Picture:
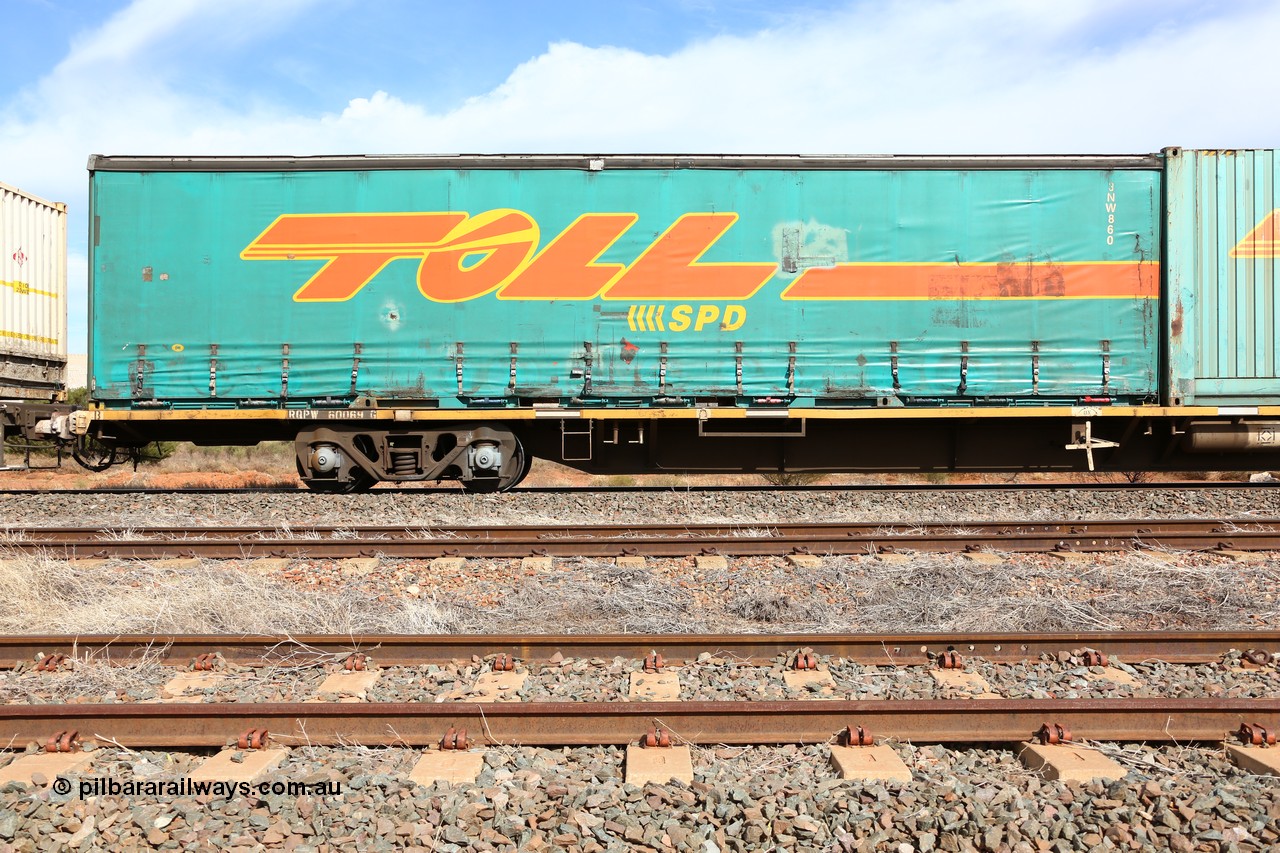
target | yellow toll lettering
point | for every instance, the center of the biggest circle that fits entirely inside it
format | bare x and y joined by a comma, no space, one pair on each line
734,317
706,314
681,317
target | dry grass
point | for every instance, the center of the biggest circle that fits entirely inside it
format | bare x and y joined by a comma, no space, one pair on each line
39,595
270,457
949,594
587,596
97,677
784,613
928,594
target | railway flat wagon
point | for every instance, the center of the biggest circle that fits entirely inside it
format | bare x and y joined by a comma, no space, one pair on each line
453,317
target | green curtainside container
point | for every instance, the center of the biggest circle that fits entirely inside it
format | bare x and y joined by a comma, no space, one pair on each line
637,281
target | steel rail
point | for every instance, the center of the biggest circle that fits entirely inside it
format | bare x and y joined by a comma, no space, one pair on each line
649,540
401,491
577,723
1102,527
412,650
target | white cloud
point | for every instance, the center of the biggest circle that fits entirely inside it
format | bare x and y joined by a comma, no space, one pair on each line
128,36
982,75
988,76
941,77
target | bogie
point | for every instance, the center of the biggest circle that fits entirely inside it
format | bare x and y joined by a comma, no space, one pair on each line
483,457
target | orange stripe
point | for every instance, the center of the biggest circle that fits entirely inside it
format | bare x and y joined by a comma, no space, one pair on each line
337,233
978,281
1262,241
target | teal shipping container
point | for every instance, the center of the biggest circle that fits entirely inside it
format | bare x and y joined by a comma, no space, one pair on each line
1223,212
507,281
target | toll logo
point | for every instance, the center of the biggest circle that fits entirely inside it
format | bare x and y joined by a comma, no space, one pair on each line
462,257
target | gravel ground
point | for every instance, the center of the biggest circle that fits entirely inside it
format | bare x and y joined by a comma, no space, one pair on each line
1175,798
708,679
784,798
412,508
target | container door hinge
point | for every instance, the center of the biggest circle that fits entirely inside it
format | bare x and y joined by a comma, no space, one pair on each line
791,367
1106,367
1035,367
737,365
355,366
139,370
511,382
457,364
213,370
662,368
1086,442
284,371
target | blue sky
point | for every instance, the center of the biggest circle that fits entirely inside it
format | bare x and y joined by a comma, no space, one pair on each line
80,77
443,52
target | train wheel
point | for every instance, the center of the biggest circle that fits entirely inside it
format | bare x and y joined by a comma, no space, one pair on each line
489,485
359,482
524,470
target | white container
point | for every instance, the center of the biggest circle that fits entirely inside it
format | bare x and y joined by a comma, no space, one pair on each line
33,296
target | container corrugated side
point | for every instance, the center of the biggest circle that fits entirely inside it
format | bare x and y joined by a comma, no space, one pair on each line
1223,210
33,294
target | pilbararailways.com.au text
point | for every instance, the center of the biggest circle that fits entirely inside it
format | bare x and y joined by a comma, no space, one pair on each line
100,786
